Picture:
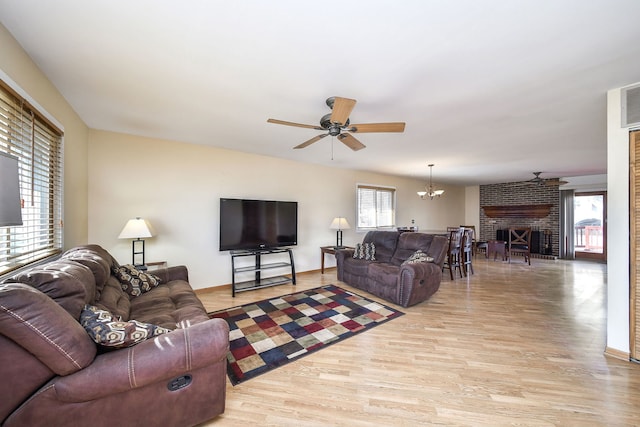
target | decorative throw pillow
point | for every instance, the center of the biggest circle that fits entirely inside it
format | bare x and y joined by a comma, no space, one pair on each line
366,251
418,256
109,331
133,281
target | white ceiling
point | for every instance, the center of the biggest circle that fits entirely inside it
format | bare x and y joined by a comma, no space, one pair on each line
490,90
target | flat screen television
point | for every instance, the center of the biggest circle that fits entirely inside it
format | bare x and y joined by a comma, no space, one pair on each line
257,224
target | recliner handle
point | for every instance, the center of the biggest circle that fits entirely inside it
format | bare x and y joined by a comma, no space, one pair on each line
179,383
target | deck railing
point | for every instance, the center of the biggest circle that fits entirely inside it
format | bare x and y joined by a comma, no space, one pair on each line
588,238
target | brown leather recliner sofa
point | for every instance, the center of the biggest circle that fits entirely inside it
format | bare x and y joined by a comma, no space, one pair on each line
54,374
389,276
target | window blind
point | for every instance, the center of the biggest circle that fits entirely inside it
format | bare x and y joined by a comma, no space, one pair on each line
29,136
376,206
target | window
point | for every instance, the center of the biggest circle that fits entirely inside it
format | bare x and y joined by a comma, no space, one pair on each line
37,143
376,206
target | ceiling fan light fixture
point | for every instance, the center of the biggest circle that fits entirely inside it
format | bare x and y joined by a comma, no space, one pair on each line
337,124
326,123
546,181
430,192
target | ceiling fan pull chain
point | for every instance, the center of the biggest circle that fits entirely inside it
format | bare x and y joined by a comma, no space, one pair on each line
332,139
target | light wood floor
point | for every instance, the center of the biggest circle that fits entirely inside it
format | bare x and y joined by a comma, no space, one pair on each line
512,345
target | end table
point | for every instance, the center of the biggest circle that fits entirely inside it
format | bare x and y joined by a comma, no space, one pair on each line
497,247
156,265
329,250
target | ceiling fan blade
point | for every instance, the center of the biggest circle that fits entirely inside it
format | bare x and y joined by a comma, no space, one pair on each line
300,125
311,141
552,182
377,127
351,142
342,108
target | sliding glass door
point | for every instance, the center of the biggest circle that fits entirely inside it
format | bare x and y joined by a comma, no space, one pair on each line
589,225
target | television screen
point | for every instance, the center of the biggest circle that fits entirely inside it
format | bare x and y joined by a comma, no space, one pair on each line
257,224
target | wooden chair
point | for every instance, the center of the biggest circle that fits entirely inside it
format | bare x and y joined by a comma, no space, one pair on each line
474,242
520,243
467,251
453,260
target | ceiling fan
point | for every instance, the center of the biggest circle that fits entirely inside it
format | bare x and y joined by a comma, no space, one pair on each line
542,181
337,124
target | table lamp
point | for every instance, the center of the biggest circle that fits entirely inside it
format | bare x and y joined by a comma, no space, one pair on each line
339,223
136,229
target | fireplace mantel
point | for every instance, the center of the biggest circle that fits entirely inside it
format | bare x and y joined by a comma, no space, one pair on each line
518,211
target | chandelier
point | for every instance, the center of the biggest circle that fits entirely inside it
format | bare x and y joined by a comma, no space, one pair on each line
431,192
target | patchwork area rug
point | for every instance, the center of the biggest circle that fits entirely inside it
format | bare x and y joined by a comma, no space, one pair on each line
270,333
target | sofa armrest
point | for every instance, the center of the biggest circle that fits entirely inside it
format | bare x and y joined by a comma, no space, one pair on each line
160,359
418,281
420,269
341,255
167,274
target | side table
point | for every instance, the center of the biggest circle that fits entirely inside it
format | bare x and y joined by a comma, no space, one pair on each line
497,247
156,265
329,250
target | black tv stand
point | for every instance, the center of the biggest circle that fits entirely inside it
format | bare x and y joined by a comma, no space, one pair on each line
258,267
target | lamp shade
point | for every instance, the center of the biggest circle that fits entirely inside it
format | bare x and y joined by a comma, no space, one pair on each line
10,205
136,228
339,223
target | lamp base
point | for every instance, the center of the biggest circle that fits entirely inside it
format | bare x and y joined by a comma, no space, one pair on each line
134,252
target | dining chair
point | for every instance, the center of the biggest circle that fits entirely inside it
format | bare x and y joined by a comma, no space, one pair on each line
453,260
467,251
520,243
474,243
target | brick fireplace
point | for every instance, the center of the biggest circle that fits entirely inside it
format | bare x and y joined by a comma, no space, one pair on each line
522,204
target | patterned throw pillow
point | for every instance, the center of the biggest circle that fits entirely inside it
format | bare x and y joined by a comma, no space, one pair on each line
109,331
366,251
133,281
418,256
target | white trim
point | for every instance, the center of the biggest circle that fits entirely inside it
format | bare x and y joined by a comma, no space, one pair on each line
8,80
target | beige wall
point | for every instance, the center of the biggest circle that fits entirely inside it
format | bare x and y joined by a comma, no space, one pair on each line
177,187
21,70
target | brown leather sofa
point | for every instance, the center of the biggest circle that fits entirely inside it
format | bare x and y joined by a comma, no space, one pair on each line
54,374
388,276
